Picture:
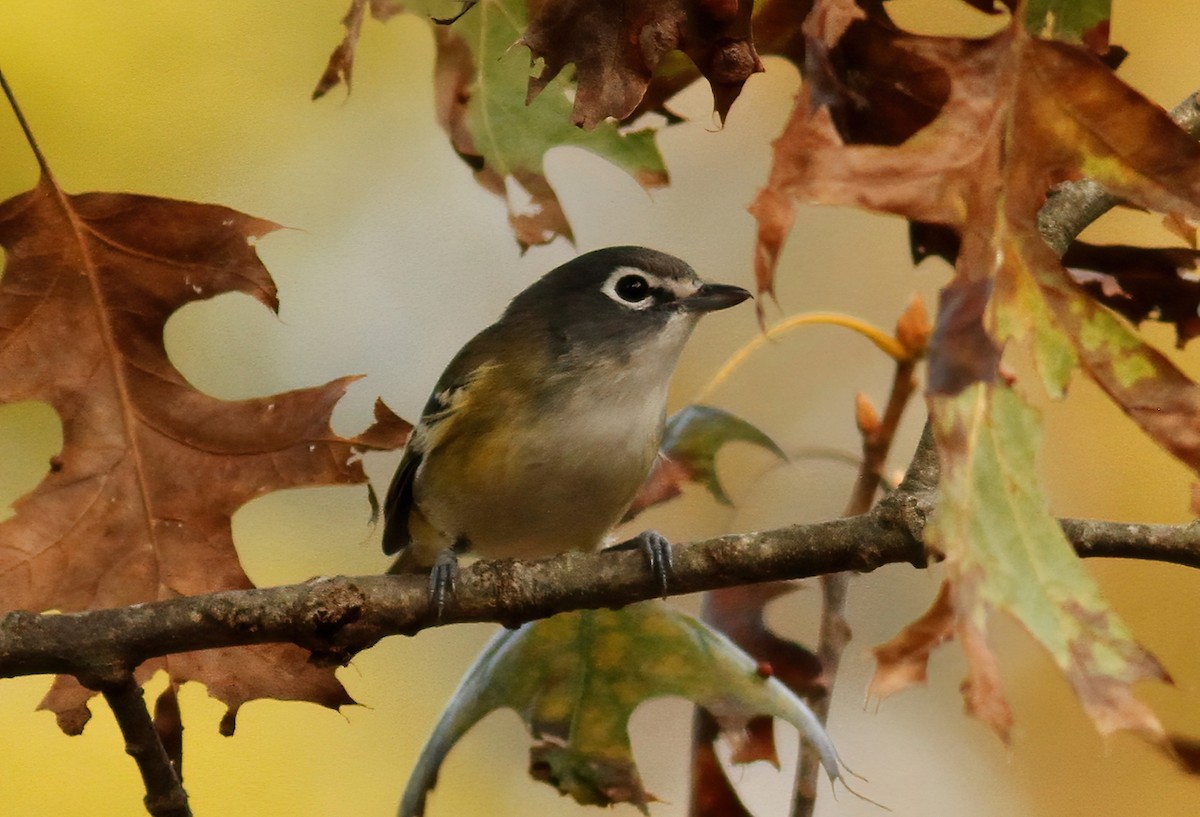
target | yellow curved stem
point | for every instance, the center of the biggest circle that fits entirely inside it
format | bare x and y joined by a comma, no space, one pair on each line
885,342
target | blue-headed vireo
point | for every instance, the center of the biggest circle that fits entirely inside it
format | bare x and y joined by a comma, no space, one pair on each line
542,428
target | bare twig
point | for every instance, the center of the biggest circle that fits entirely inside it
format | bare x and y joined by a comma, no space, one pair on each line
834,635
337,617
165,796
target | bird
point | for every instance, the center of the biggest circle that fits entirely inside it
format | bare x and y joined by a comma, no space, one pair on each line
542,428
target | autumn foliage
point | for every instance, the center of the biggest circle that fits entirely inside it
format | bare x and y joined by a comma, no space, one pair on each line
966,139
137,505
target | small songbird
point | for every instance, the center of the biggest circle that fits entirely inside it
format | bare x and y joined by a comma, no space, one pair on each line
544,426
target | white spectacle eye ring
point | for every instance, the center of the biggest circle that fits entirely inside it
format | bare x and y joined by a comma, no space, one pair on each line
631,288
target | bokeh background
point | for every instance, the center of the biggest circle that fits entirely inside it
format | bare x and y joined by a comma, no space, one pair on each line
397,257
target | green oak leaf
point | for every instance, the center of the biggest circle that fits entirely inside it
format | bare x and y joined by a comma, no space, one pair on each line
688,453
576,678
1005,551
481,84
695,434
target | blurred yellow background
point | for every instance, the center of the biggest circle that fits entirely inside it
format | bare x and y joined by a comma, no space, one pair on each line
397,257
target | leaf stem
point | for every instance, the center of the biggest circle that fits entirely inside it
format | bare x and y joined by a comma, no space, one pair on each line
885,342
43,165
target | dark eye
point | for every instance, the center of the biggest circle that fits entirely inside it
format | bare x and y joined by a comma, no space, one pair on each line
632,288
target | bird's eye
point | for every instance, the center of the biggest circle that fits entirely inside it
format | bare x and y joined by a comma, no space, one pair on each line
632,288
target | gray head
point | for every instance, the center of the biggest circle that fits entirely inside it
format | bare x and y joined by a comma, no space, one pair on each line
617,298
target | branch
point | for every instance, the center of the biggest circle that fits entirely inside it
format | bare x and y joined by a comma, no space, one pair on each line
1174,544
337,617
165,796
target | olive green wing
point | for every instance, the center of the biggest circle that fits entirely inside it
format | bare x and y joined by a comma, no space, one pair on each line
449,395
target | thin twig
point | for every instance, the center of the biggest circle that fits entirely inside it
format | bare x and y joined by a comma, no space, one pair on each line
885,342
165,796
834,633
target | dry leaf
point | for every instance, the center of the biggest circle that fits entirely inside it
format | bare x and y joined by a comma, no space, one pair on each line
617,48
137,505
997,122
1142,283
340,68
904,661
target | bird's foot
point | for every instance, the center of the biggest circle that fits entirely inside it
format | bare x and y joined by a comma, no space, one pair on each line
657,550
441,579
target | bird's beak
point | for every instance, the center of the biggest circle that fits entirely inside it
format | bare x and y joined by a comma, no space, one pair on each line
711,297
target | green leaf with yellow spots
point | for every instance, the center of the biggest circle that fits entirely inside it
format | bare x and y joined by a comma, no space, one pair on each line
576,678
1005,551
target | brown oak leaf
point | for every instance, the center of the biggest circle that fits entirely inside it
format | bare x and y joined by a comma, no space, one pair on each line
1009,116
1142,283
904,660
739,612
775,27
616,48
137,505
340,68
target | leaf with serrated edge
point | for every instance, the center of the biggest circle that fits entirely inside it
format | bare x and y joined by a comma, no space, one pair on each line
481,86
1005,551
616,49
1015,116
577,677
137,505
